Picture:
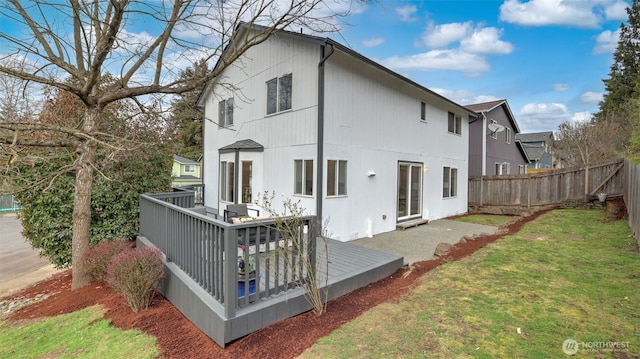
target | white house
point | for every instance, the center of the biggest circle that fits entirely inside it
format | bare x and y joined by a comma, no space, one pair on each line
358,144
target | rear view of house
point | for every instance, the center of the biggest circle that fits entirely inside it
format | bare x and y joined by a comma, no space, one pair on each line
359,145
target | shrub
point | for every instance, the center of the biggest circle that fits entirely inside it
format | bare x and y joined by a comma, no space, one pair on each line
97,258
135,274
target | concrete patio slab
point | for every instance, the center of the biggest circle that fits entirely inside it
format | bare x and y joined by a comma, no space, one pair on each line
418,243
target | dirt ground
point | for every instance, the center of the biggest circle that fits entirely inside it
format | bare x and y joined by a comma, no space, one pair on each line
179,338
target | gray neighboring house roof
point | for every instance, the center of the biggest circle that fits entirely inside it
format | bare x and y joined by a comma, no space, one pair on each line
534,136
534,153
489,106
185,161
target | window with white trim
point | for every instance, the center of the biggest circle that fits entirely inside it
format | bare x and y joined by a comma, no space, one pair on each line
503,168
508,134
279,94
247,179
189,168
336,178
225,112
455,124
227,181
449,182
303,177
423,111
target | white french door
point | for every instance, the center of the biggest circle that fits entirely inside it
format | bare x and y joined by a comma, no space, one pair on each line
409,190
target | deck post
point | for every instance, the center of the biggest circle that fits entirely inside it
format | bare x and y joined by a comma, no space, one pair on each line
230,282
314,232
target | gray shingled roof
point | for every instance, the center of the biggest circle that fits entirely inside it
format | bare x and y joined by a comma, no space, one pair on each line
485,106
246,145
534,136
185,161
534,153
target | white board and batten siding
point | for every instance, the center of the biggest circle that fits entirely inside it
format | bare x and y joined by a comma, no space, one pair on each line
373,121
289,134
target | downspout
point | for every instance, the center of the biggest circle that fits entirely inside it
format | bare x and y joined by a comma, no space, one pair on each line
236,176
484,144
320,145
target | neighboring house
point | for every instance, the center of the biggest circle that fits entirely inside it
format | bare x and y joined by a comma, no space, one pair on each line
359,145
185,172
539,148
493,149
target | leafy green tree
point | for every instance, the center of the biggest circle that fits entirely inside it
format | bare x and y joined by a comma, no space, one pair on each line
623,83
46,187
186,117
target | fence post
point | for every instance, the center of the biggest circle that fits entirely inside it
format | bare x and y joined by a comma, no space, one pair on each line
529,192
481,190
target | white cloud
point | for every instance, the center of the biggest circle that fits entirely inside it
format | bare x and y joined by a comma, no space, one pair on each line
606,42
617,11
442,35
470,64
486,41
561,87
591,97
406,13
534,117
583,14
463,97
474,39
473,43
582,116
373,42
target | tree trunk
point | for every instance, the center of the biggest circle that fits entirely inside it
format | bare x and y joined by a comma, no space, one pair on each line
82,203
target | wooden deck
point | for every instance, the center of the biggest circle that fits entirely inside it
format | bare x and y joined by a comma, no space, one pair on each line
350,267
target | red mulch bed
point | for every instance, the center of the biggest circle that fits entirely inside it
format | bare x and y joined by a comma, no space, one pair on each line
179,338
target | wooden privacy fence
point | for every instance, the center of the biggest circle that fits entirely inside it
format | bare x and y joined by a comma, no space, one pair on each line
632,196
547,188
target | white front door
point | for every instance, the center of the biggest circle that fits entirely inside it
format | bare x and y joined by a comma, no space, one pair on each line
409,190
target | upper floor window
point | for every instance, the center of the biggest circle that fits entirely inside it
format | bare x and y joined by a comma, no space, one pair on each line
189,168
508,134
494,134
303,177
423,111
336,178
225,112
279,94
455,124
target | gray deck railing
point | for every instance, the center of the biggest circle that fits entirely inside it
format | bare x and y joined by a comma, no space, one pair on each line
200,246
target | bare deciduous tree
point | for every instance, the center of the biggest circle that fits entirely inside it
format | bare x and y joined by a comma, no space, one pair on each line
73,44
582,144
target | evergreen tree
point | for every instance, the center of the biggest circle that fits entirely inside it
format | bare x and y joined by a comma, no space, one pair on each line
623,83
186,118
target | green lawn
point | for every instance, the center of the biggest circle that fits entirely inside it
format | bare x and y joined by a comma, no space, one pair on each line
81,334
567,275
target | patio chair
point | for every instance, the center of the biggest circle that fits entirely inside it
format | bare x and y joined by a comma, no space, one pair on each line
237,211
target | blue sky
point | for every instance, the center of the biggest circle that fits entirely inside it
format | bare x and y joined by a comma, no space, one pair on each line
546,57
